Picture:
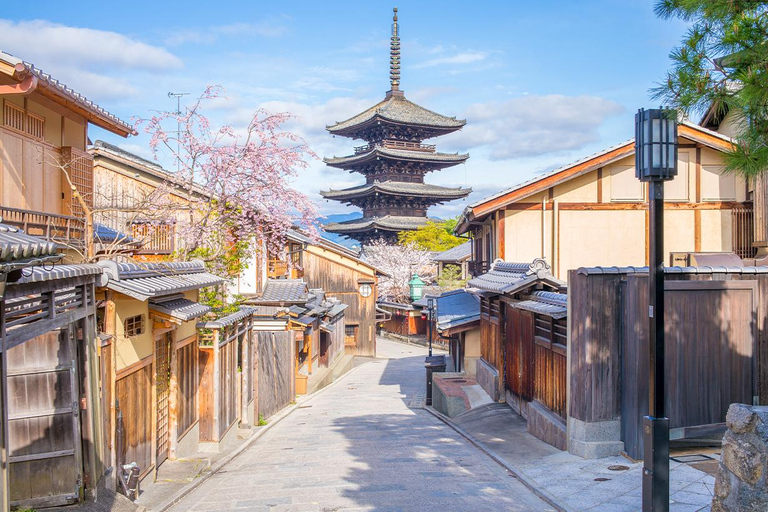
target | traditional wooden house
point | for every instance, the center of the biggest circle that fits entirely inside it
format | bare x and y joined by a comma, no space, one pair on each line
140,199
316,322
150,359
45,171
523,344
455,259
227,378
458,322
595,212
49,431
339,271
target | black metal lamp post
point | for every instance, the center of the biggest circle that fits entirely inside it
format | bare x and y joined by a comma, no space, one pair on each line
430,311
655,163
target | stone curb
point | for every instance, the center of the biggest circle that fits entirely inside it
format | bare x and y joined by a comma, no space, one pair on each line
522,477
187,489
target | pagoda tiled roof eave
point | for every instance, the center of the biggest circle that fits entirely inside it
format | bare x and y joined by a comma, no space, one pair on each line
386,223
354,131
397,154
399,189
397,110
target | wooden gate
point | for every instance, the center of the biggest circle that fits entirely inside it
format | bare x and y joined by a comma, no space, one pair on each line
44,442
163,390
519,352
710,343
325,342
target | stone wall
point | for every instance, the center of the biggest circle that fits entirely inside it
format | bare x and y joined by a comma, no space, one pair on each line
742,479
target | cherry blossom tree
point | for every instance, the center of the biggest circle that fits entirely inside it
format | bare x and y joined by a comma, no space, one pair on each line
237,181
400,262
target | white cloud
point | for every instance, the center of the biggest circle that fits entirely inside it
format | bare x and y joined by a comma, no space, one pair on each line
92,62
469,57
86,47
534,125
271,27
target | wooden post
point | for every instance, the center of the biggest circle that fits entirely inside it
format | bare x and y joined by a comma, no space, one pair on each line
5,503
308,341
173,390
110,328
215,387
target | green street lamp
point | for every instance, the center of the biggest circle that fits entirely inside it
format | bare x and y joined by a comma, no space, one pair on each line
416,287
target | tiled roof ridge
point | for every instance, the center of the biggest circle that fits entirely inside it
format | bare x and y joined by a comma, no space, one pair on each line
79,99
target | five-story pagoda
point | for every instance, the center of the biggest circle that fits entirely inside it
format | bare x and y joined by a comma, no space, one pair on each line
394,162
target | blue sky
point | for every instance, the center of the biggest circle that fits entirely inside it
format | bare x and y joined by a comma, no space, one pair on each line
540,83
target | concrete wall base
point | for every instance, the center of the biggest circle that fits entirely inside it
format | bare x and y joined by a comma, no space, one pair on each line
441,401
488,378
547,426
226,442
594,440
189,444
470,366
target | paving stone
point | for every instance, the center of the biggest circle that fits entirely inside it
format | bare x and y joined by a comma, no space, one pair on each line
365,449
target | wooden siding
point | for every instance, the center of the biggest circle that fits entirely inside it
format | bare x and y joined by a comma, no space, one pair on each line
134,397
341,282
227,387
44,446
710,337
205,396
187,359
595,335
275,371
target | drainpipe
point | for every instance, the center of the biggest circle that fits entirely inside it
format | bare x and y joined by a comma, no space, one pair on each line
555,237
544,228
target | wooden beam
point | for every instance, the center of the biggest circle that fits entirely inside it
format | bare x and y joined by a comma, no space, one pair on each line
638,206
550,181
600,185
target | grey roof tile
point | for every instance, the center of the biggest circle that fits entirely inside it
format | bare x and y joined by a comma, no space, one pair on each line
179,308
508,278
231,319
455,254
18,249
397,109
387,223
284,290
439,159
144,281
398,188
38,274
550,304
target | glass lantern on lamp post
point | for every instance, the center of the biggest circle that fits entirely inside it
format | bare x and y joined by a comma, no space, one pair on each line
655,163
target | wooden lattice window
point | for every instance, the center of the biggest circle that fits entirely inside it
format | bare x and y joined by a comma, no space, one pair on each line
36,126
79,165
16,118
134,326
13,116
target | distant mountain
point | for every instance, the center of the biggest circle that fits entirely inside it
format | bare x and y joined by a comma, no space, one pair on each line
333,237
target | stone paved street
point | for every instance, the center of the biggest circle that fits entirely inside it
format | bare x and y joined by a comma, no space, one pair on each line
358,446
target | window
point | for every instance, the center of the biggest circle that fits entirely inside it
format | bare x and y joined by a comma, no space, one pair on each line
133,326
350,335
18,119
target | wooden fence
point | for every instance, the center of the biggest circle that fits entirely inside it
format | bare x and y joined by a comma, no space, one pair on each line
715,340
275,360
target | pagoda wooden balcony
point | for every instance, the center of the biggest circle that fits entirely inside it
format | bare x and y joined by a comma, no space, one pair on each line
63,229
396,144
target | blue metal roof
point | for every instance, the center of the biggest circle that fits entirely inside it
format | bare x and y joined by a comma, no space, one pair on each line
457,308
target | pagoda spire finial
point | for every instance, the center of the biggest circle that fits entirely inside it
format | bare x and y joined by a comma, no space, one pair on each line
394,52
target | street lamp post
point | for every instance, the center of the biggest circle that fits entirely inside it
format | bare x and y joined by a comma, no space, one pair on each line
655,163
430,311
